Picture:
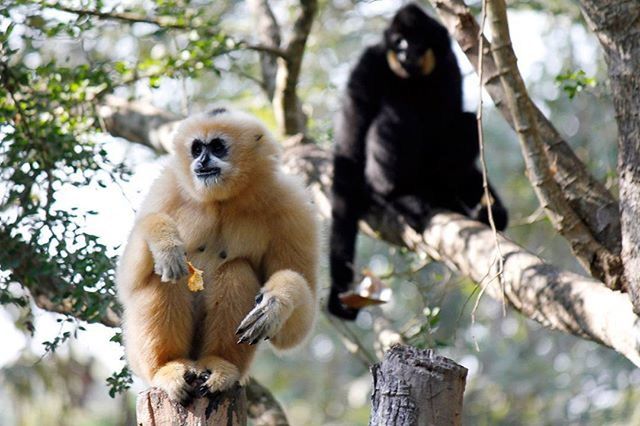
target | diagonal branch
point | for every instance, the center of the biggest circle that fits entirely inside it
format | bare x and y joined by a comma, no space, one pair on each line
588,201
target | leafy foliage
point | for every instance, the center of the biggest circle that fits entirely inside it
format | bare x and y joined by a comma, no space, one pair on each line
119,381
574,82
51,140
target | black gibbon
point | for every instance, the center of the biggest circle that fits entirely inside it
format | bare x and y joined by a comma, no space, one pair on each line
223,203
403,138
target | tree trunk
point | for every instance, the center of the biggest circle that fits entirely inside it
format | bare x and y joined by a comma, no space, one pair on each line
154,408
416,387
616,23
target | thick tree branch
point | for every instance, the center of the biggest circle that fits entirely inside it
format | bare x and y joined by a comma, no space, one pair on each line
139,122
617,26
590,200
557,299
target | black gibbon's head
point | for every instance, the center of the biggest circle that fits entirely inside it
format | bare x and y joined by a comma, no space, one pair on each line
222,152
415,42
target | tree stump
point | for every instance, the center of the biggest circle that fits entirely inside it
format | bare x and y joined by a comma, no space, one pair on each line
416,387
154,408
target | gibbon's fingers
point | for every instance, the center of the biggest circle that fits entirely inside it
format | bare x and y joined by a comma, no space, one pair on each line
171,264
262,323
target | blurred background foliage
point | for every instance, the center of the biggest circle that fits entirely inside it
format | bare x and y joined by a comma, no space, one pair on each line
69,192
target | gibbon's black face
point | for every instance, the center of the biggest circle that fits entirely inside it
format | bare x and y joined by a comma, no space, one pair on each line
208,159
414,42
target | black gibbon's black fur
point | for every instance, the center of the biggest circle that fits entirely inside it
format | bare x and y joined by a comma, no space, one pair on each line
403,138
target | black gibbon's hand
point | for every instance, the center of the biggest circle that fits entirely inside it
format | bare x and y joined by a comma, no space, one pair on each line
263,322
171,263
338,309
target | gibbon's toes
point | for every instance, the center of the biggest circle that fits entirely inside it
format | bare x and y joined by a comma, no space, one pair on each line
262,323
216,382
171,264
173,378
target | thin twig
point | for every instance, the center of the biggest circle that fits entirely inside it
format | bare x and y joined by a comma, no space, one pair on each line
360,351
485,180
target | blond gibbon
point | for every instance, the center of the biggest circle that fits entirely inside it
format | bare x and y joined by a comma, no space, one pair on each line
223,204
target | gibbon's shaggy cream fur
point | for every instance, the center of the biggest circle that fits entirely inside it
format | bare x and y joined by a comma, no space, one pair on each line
253,232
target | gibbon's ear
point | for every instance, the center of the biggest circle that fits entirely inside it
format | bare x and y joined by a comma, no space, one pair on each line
217,111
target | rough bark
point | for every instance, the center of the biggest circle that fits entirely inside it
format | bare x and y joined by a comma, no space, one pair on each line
416,387
587,198
155,408
617,26
557,299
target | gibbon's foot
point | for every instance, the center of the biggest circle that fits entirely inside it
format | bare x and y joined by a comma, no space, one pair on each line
263,322
174,378
338,309
217,375
170,264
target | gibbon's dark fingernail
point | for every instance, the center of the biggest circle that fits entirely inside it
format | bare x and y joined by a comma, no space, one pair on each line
259,298
256,340
203,390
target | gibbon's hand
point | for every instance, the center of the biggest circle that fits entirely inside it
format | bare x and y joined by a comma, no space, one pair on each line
263,322
171,263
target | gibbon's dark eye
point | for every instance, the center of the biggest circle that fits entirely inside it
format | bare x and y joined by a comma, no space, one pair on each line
217,147
196,148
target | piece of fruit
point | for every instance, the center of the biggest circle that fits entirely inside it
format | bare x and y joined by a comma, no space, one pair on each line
195,282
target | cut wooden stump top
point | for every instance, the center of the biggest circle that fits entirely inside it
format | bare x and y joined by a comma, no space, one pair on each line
154,408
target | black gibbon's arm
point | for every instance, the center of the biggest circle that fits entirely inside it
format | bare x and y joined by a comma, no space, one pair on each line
349,199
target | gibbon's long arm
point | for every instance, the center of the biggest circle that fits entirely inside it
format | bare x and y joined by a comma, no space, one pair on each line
290,267
154,245
348,190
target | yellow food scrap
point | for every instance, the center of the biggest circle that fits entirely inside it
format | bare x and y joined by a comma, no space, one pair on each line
195,283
